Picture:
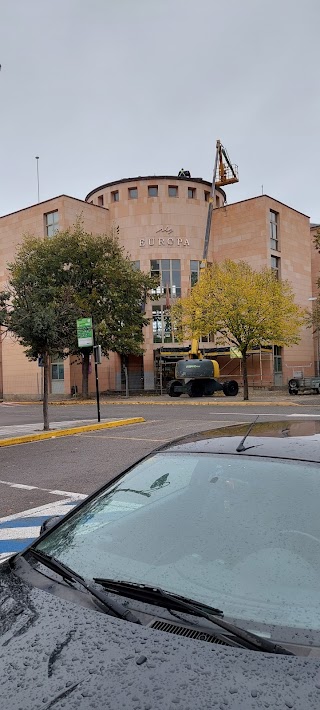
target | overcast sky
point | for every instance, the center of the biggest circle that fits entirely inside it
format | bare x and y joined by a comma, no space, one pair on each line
107,89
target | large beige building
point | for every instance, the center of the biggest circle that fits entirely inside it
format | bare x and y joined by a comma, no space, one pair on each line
161,223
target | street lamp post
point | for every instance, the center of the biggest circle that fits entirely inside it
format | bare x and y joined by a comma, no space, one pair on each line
38,183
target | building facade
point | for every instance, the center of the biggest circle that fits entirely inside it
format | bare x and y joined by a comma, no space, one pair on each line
160,222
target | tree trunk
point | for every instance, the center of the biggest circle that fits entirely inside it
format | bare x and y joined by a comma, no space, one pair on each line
85,373
125,369
245,375
45,400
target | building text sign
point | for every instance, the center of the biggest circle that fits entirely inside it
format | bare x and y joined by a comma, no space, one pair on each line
164,242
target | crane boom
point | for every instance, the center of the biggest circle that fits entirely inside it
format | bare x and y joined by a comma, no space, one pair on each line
223,174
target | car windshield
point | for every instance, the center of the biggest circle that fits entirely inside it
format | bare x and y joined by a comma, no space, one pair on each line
236,533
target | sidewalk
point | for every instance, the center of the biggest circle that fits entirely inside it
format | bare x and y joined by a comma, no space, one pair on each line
25,433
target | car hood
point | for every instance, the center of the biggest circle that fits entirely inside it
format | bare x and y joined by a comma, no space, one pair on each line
57,654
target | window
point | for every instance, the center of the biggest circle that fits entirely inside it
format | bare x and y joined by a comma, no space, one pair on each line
194,272
115,196
172,191
100,200
133,193
206,195
277,356
51,223
274,224
136,265
275,266
57,371
217,201
192,193
152,190
168,272
161,325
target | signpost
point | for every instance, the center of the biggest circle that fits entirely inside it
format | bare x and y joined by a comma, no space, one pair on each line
85,332
87,339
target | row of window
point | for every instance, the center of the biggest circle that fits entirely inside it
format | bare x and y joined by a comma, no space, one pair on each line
153,191
168,271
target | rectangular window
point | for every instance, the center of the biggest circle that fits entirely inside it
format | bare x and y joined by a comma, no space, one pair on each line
172,191
136,265
115,196
57,371
274,228
194,272
206,195
168,271
275,265
100,200
277,355
161,325
191,193
152,190
133,193
51,223
217,201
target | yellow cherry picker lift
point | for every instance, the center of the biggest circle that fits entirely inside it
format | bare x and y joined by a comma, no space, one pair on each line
197,376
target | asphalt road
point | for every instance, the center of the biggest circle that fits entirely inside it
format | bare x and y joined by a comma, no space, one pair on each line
82,462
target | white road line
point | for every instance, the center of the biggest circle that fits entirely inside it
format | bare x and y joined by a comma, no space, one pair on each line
21,532
58,508
67,494
303,416
5,556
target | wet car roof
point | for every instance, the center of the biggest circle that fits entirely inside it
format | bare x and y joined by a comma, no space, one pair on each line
296,440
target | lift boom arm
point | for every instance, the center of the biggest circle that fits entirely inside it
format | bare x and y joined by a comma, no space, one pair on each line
223,174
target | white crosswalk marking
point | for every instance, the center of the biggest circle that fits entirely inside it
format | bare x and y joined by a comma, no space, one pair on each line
19,530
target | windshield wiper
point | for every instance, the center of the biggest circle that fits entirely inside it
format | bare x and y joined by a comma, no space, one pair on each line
68,574
156,595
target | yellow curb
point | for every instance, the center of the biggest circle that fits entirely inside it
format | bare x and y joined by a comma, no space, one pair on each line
68,432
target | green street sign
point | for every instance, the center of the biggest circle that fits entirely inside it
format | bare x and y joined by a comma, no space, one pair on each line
84,332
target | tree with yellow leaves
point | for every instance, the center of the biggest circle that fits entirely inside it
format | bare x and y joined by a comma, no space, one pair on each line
242,307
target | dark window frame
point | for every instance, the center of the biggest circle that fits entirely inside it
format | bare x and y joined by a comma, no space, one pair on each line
167,271
274,230
275,265
51,225
132,193
153,187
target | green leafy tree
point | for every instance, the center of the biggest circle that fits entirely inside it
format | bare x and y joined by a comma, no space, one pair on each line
53,282
243,307
107,288
36,309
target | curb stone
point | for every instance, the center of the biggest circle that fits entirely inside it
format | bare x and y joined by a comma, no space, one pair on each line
54,434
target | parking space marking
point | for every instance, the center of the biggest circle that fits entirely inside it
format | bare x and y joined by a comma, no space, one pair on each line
131,438
22,486
19,530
